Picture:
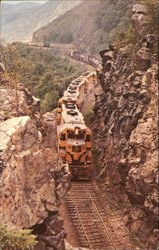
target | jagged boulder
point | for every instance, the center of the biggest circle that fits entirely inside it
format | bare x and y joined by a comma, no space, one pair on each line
32,182
17,102
2,67
24,173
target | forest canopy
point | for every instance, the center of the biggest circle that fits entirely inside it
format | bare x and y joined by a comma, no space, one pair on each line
41,70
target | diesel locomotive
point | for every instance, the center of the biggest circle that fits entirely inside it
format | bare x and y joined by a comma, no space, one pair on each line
73,136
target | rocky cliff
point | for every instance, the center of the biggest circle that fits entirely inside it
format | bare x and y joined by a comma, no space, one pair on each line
125,128
32,180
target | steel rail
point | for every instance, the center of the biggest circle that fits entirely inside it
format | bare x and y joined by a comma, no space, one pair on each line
90,245
105,228
77,200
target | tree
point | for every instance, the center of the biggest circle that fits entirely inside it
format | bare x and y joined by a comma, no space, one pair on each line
50,101
11,239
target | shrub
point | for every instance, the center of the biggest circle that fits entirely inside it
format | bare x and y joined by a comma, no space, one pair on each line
50,101
11,239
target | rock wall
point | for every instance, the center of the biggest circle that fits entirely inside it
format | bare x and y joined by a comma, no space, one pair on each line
33,181
125,130
88,98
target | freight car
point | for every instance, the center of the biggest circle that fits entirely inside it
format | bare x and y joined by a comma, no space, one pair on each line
90,59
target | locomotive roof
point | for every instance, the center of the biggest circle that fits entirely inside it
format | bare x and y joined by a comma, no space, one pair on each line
67,126
71,95
74,119
68,99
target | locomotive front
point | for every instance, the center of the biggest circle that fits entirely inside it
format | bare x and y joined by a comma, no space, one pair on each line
75,149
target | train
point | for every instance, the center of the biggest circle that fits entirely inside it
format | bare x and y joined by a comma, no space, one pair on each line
72,52
53,45
84,57
73,136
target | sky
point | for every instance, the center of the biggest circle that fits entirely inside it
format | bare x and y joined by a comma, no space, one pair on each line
15,2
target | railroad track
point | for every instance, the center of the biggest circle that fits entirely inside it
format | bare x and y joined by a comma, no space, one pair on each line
89,218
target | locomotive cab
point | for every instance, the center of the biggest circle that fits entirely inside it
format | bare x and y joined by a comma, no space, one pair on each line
75,149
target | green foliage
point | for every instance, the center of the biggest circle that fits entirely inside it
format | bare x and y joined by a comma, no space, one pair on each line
42,71
153,7
50,101
112,19
130,37
11,239
66,37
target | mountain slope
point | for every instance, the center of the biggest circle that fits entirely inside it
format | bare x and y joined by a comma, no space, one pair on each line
19,21
90,25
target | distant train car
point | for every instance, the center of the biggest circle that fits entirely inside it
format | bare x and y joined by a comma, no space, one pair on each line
37,44
75,54
93,61
46,44
90,59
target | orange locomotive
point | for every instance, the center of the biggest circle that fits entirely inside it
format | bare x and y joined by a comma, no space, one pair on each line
74,142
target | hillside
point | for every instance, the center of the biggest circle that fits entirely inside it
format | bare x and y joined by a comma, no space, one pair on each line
19,21
45,73
104,20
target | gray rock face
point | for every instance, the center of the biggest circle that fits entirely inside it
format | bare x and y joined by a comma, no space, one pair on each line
140,18
21,175
17,101
2,68
125,132
32,181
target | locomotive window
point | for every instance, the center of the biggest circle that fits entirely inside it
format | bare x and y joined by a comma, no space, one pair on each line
76,149
63,137
71,135
88,138
80,136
